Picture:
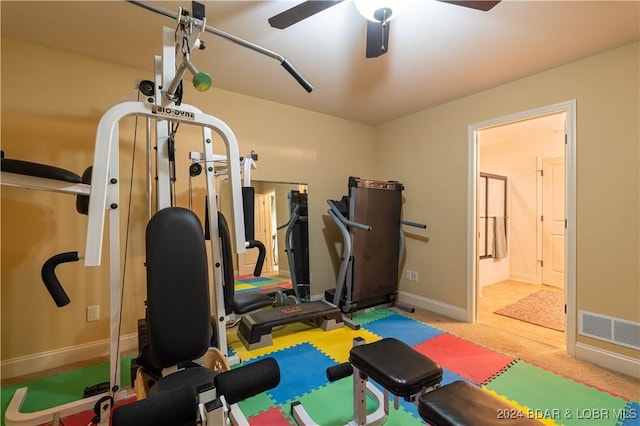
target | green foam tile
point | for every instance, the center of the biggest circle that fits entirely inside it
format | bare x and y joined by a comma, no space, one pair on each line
373,315
551,396
332,405
52,391
256,404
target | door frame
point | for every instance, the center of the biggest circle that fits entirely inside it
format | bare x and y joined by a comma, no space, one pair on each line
569,107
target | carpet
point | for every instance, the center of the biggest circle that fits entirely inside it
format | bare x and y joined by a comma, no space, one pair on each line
544,308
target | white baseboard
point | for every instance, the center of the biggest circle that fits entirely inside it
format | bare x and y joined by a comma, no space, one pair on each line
59,357
525,278
284,273
433,306
620,363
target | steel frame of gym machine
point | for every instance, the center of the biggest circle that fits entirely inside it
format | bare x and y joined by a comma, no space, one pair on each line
104,196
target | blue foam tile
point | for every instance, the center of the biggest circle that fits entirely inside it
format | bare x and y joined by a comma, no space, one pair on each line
630,416
449,376
256,280
302,369
410,331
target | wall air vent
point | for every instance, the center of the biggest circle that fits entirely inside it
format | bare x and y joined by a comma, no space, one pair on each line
609,329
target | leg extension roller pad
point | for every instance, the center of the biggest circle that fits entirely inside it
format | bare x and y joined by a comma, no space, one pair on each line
462,404
396,366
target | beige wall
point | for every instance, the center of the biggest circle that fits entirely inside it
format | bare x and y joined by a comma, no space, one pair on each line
54,122
51,104
428,152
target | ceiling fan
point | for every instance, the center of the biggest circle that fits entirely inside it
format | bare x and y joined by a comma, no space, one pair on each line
377,12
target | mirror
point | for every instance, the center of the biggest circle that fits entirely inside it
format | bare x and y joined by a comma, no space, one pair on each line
273,206
492,211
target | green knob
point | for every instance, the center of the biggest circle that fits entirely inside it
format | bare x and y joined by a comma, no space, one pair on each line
202,82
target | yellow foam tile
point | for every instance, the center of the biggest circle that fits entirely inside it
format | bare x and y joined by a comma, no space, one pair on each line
244,286
283,337
524,409
337,343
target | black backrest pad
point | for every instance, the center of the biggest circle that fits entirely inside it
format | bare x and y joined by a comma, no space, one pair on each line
177,288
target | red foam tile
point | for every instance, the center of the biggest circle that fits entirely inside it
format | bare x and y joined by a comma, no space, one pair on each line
277,285
244,277
469,360
271,417
84,417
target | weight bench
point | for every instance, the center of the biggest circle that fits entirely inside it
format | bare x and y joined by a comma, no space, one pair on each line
255,328
461,403
406,373
394,365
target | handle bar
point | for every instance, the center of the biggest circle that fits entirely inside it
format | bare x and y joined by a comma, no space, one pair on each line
50,279
414,224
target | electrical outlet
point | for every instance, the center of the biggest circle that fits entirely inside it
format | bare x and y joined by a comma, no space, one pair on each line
414,276
407,274
93,313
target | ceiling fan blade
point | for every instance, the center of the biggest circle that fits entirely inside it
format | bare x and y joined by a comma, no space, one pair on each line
302,11
474,4
377,38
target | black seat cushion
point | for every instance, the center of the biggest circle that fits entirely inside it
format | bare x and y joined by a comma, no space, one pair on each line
248,302
462,404
396,366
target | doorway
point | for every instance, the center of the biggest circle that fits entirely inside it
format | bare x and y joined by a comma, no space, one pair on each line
519,149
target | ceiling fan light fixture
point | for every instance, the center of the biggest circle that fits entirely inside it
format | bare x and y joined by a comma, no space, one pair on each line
379,10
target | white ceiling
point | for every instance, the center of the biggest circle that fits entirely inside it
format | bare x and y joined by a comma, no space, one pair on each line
437,51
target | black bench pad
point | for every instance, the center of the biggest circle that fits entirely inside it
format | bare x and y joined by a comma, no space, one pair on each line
396,366
462,404
39,170
247,302
194,377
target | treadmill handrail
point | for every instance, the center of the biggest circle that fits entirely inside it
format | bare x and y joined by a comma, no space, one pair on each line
288,248
414,224
346,256
291,218
344,220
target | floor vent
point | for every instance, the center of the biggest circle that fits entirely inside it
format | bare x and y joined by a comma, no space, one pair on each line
610,329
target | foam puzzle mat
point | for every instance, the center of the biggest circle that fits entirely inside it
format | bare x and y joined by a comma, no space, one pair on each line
248,283
304,352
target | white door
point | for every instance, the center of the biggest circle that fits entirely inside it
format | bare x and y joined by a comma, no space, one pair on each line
247,261
553,221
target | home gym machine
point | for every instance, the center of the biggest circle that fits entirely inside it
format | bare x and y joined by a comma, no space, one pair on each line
369,219
162,105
